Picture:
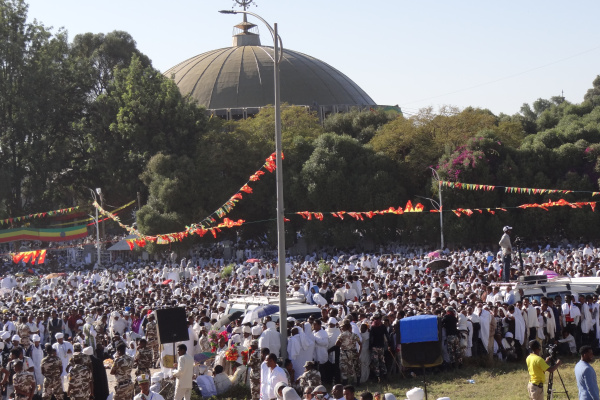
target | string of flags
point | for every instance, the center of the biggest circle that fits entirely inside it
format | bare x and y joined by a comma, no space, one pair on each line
115,218
39,215
510,189
359,215
30,256
226,207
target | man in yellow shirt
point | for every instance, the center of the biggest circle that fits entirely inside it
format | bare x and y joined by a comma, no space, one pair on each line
537,368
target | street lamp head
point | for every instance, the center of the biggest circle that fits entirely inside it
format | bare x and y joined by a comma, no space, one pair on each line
99,191
228,12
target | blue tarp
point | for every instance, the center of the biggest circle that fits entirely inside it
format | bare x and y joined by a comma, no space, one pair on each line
422,328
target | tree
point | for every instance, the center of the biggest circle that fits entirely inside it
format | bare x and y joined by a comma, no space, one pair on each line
40,96
593,94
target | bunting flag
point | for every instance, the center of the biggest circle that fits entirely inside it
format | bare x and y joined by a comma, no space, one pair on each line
44,214
44,235
560,203
179,236
30,256
269,165
360,215
115,212
112,216
510,189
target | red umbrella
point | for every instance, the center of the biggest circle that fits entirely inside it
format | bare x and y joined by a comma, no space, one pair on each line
252,260
167,281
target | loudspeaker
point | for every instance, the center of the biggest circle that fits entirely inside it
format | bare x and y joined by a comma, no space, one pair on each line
172,325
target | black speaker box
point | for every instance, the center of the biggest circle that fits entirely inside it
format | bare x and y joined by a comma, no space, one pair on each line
172,325
424,354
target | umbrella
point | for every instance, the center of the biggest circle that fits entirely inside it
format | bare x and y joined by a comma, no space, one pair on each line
260,312
252,260
167,281
550,274
438,264
227,319
201,357
435,254
55,275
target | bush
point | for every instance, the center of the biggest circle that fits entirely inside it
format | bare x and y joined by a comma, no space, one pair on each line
323,268
227,271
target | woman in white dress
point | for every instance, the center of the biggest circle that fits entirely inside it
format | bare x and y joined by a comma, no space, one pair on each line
365,354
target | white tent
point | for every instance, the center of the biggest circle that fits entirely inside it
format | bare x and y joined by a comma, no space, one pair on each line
122,244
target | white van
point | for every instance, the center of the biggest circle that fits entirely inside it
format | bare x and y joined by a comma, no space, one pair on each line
296,307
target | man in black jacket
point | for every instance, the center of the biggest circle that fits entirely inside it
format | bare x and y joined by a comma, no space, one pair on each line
450,324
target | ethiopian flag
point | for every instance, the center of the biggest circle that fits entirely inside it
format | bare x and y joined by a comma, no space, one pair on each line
44,235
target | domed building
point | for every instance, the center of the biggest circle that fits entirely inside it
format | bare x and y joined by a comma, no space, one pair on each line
235,82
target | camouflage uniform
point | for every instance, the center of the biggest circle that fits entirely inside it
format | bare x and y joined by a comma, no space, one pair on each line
80,358
24,332
309,378
80,377
348,355
52,370
254,362
122,368
152,339
453,347
23,382
143,361
378,361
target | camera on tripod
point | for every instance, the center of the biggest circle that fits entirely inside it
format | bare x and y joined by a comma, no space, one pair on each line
552,352
518,241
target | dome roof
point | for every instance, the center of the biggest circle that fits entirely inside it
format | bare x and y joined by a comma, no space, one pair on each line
242,76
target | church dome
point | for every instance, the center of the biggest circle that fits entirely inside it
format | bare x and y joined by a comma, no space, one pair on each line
242,76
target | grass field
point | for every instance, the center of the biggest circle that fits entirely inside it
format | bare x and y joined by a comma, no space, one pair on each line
500,381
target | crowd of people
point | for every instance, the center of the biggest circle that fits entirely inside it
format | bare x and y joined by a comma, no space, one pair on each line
59,330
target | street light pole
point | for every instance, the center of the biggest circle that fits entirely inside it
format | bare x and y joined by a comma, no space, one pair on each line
99,191
437,177
277,57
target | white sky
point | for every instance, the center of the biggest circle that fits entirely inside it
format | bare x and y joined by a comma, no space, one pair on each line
486,54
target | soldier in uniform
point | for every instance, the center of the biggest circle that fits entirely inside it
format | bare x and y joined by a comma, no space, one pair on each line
23,382
347,342
122,367
152,338
143,359
24,332
79,358
310,377
52,371
145,392
80,379
254,362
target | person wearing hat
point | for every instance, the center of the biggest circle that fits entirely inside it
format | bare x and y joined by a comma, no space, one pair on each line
145,392
37,354
347,341
537,367
80,380
89,333
310,377
52,369
64,351
55,325
506,252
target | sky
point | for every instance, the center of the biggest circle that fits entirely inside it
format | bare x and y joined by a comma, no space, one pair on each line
487,54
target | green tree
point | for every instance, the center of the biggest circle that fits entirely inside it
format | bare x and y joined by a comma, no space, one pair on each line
40,96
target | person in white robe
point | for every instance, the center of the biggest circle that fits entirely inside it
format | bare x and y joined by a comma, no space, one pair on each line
550,322
37,354
484,322
365,354
270,338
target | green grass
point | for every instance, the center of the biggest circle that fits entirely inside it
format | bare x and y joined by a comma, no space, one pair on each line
499,381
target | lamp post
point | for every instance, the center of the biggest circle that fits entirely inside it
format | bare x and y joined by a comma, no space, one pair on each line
99,191
277,57
437,177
